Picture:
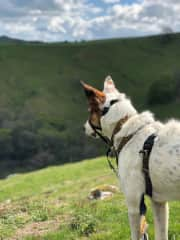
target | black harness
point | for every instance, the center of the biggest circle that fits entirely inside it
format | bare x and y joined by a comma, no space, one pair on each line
146,151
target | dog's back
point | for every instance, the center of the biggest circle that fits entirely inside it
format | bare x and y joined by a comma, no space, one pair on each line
165,163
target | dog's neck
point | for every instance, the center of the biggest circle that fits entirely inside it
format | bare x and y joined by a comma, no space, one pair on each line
135,124
119,111
138,121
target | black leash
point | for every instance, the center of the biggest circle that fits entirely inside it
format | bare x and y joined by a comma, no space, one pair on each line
109,142
105,139
110,151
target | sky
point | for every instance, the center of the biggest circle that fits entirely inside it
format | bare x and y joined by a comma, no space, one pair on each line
76,20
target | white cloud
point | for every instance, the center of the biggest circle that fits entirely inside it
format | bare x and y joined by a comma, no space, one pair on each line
53,20
145,17
111,1
56,25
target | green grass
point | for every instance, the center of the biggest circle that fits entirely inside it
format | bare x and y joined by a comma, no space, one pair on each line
53,204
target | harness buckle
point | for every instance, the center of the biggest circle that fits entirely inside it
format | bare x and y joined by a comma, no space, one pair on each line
144,152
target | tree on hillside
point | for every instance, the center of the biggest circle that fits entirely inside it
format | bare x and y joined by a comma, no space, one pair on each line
166,34
166,29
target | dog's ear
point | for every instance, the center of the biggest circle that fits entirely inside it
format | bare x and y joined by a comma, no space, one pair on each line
93,95
109,85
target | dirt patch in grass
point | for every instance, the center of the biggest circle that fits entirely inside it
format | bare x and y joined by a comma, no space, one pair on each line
37,229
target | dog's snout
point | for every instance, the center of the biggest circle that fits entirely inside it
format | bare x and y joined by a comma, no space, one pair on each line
88,129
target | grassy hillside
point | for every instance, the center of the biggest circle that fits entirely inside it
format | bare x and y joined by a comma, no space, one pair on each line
44,78
52,204
39,88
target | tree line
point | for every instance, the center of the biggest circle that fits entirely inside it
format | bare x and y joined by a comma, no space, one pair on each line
29,142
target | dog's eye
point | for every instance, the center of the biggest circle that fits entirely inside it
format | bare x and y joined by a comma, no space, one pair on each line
113,101
105,110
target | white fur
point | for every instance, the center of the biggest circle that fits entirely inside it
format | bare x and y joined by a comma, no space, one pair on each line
88,129
164,162
116,112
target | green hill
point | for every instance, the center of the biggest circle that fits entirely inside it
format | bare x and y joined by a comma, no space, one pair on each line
53,204
42,105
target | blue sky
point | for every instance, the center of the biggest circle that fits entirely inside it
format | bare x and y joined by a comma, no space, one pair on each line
60,20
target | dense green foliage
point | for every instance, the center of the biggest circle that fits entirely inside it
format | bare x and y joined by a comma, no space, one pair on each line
53,204
42,105
162,91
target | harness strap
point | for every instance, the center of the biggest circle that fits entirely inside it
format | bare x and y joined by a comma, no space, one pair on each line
118,126
127,138
142,206
124,141
111,151
146,151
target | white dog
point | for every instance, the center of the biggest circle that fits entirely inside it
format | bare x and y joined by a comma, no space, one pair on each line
113,116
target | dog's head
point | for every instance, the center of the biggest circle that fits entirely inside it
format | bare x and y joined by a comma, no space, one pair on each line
106,108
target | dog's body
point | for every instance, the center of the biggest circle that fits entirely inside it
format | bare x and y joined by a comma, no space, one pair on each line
164,160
